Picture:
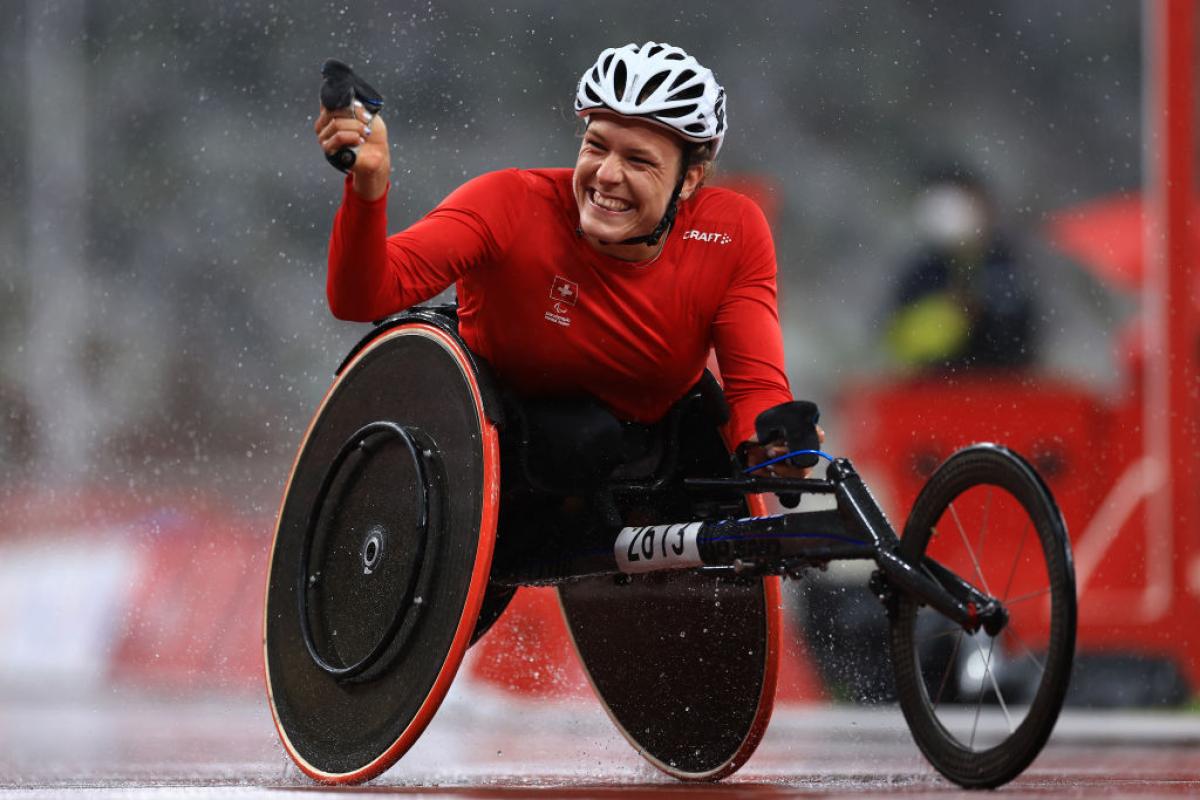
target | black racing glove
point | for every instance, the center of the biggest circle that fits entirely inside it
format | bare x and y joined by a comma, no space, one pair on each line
794,424
339,89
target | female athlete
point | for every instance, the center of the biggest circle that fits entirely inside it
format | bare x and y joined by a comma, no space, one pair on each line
611,281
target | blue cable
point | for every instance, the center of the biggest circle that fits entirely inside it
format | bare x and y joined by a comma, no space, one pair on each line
777,459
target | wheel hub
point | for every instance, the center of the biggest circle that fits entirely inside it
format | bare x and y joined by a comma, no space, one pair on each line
372,549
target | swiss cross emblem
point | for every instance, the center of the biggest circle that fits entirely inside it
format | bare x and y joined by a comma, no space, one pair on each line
564,291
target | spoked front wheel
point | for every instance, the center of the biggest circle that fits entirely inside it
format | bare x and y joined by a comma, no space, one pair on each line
981,707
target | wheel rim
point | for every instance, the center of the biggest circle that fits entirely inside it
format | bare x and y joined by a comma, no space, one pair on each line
979,743
979,688
375,546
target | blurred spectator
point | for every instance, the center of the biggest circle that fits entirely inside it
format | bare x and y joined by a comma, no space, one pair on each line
961,301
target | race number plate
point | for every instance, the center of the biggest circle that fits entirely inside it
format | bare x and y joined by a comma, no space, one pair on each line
649,548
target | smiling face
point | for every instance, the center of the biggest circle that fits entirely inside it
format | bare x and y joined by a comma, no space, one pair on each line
624,176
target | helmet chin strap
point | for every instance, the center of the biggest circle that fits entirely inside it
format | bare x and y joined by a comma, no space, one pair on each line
668,216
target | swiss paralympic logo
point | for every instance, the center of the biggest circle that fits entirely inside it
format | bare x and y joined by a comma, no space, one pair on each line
711,237
565,294
564,291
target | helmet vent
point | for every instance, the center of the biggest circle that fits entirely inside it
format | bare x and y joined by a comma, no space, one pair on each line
675,56
695,127
619,76
678,111
607,63
690,93
681,79
650,86
591,94
658,48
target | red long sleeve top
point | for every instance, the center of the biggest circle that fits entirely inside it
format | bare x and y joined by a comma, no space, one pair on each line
555,317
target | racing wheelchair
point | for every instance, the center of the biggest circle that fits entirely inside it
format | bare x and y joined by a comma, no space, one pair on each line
393,554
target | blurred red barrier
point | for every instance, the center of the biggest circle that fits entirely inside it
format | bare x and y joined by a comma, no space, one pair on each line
195,619
528,651
1132,578
190,614
902,430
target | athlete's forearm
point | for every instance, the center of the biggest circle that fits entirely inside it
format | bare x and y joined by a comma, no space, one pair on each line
358,286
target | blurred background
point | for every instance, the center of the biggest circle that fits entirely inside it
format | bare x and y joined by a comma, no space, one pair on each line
164,335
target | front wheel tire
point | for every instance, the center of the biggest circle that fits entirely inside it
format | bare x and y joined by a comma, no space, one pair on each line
981,708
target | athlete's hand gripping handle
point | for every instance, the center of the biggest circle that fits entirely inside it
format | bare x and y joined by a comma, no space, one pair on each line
792,423
339,90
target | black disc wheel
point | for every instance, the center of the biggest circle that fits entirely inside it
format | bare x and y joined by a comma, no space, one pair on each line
981,707
382,552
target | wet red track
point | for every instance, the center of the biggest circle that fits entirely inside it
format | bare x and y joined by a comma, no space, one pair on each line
483,746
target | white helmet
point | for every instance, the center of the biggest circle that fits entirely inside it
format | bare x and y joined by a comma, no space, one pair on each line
659,83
